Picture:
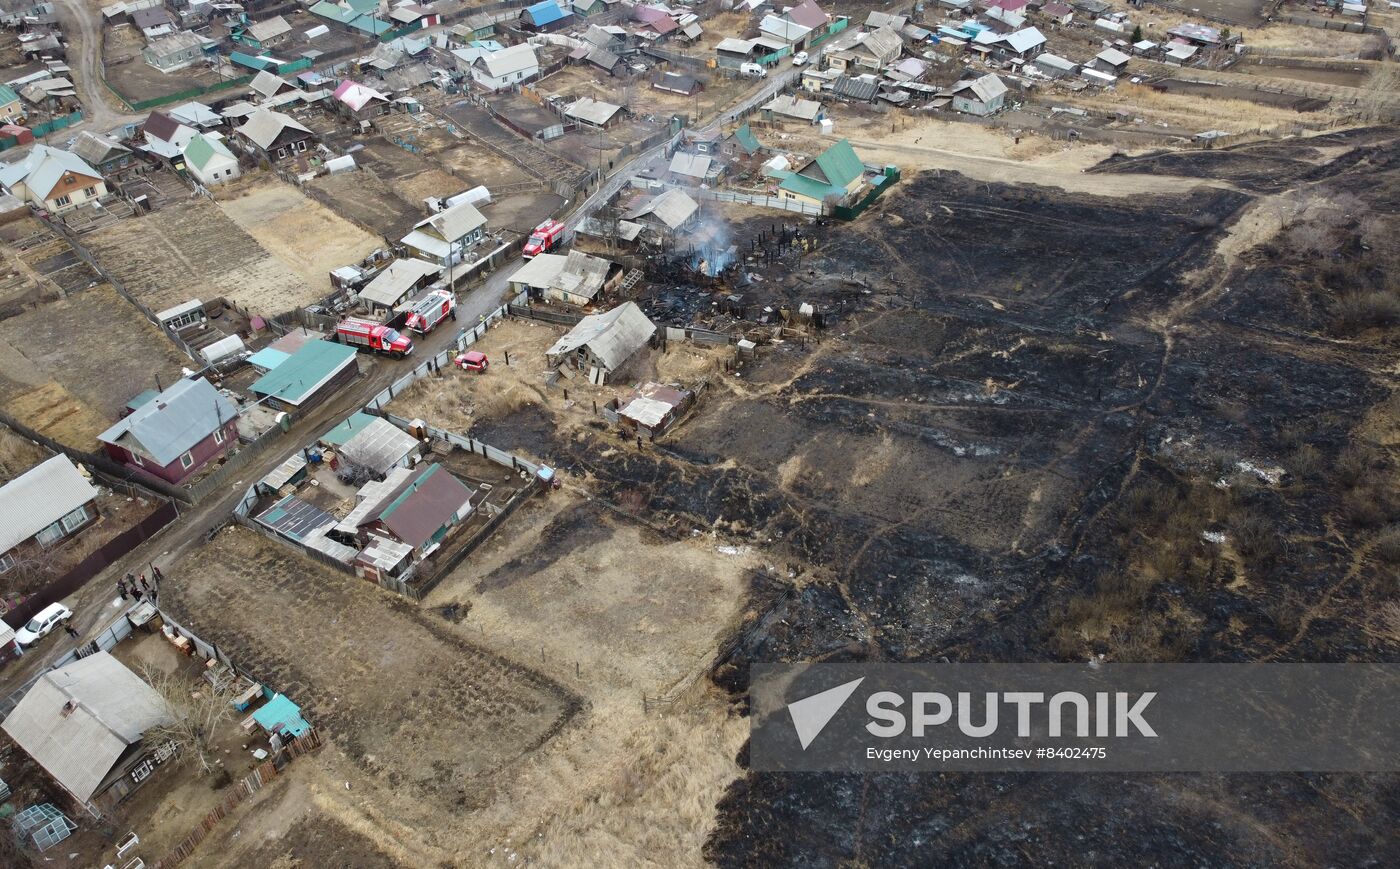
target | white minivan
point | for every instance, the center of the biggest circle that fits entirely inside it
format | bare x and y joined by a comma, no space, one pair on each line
38,627
753,70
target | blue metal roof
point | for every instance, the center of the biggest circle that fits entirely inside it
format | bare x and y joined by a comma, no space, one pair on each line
280,715
301,375
184,414
268,358
546,12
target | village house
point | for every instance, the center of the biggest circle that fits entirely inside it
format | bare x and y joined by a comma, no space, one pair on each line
360,102
165,137
589,112
1055,66
108,156
196,115
785,31
173,52
276,135
691,170
172,434
573,279
360,16
501,69
209,161
982,96
828,179
1057,13
602,344
46,505
53,180
1111,61
677,83
444,238
667,214
153,22
391,287
380,446
418,512
732,53
651,409
309,376
266,85
793,107
813,19
415,16
11,109
871,51
875,20
547,16
85,723
267,34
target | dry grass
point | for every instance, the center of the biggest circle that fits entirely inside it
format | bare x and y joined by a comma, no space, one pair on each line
1309,40
657,807
53,411
1187,110
308,238
17,455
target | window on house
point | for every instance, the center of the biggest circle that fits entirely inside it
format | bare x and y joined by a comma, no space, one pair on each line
219,436
137,459
186,461
7,562
50,535
89,191
62,201
281,152
75,520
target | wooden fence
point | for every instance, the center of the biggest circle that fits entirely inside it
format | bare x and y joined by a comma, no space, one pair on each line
250,785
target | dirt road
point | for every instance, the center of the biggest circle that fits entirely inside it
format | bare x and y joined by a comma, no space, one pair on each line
102,111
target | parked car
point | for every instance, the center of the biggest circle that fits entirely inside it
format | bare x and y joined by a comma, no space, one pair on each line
753,70
38,627
799,59
473,360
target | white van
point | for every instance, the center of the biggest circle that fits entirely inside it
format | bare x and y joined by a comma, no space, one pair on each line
753,70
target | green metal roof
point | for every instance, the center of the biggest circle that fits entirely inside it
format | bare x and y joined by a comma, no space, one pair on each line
304,371
202,148
7,95
747,140
810,187
840,164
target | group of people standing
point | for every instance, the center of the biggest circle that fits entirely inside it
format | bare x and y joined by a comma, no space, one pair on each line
139,587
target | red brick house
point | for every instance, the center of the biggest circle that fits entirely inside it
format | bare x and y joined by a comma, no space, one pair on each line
172,434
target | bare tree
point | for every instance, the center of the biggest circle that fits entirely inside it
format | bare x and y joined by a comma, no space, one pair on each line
196,711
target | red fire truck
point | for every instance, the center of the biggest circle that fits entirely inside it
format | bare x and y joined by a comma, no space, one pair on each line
546,238
429,309
369,335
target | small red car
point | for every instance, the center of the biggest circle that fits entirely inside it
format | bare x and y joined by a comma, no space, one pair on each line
472,361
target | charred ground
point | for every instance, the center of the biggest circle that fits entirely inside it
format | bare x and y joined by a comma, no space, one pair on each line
1027,421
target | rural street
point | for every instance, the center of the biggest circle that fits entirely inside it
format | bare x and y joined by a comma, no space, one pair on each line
82,22
96,604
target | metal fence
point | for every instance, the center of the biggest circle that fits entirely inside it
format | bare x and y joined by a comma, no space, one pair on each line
763,201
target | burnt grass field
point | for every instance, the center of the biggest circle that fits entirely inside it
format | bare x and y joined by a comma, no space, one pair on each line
1044,426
